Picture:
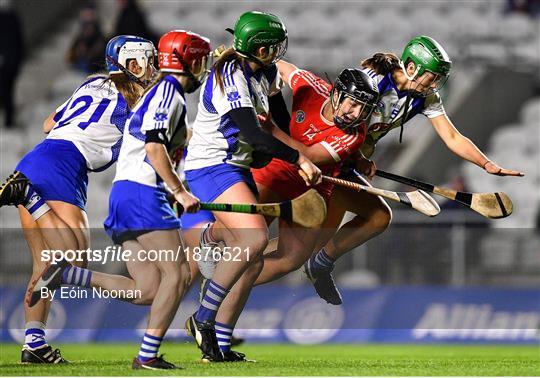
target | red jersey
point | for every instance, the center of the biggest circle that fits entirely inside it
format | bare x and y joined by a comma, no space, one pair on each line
310,95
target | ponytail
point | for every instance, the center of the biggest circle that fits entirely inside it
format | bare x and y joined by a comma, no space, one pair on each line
382,63
226,56
130,90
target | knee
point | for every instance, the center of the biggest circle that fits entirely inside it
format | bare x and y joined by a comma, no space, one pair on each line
145,295
256,244
289,265
178,278
381,217
255,268
185,275
294,264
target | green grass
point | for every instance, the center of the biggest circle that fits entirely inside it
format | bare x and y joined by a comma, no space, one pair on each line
275,360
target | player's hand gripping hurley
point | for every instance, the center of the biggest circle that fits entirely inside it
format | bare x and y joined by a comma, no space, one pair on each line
308,209
418,199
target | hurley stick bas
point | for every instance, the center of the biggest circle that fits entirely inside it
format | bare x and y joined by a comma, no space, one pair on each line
490,205
418,199
308,209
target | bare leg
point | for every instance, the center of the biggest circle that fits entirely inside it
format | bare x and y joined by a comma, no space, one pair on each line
174,280
245,232
144,278
191,238
373,216
76,219
64,226
36,244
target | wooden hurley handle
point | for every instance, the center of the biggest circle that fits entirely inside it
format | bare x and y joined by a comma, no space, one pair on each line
345,183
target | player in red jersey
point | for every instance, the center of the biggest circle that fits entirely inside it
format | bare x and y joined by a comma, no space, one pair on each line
329,124
313,126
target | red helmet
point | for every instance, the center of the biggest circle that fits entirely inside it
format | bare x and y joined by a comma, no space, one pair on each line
177,49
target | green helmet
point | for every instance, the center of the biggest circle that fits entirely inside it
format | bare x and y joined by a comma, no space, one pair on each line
258,29
428,55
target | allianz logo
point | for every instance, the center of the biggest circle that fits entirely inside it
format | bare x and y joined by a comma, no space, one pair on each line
476,322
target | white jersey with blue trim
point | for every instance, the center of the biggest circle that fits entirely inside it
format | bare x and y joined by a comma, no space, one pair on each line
216,139
390,109
93,118
163,107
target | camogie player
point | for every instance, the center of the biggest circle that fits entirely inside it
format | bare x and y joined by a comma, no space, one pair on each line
329,126
49,184
227,139
408,86
140,216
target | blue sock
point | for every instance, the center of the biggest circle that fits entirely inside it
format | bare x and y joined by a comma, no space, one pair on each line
210,304
35,335
322,261
224,335
35,205
77,276
149,347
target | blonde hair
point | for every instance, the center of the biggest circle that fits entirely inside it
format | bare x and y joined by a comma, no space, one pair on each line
130,90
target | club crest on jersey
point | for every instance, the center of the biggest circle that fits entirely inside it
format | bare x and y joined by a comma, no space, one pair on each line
161,115
300,116
232,93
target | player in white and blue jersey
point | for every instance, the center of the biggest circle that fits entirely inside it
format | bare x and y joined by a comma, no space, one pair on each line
140,216
408,86
227,139
49,185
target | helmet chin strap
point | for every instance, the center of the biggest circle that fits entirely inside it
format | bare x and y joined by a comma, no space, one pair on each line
415,73
410,95
338,121
195,83
128,73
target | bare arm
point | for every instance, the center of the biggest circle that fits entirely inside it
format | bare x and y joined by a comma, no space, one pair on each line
465,148
285,70
49,123
159,158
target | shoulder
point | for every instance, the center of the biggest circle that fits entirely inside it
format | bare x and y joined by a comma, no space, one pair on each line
98,85
232,72
311,80
433,98
172,84
373,75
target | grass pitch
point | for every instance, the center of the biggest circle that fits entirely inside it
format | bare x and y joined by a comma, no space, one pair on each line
278,359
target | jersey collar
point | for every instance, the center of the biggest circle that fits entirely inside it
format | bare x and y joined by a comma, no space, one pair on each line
323,118
249,72
399,93
176,84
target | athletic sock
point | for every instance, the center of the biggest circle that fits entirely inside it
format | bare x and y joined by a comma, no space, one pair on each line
35,335
212,299
322,261
33,202
77,276
224,335
149,347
